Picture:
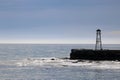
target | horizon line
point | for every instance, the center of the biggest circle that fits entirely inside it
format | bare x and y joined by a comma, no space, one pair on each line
60,43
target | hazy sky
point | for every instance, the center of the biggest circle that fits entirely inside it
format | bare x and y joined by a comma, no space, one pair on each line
59,21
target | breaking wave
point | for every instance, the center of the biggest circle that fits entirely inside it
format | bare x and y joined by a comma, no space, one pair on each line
62,62
58,62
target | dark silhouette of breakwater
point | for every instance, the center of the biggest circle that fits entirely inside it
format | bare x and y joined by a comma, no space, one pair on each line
88,54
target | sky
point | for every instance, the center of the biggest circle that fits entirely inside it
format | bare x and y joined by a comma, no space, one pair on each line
59,21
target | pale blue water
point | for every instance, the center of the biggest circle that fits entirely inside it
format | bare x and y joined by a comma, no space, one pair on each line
33,62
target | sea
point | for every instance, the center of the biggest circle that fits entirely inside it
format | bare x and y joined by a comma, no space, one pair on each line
51,62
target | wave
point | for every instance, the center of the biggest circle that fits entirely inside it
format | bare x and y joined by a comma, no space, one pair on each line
58,62
62,62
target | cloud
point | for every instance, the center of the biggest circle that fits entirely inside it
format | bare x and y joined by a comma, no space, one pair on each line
84,14
112,36
116,32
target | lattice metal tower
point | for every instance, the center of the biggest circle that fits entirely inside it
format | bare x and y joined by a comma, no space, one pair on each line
98,45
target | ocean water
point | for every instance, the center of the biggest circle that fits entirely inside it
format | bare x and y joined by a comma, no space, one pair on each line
50,62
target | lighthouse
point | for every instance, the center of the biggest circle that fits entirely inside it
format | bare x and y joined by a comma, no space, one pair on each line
98,45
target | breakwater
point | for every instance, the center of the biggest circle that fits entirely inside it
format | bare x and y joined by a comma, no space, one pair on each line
89,54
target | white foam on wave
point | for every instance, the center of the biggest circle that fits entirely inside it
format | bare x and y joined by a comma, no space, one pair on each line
57,62
106,65
43,62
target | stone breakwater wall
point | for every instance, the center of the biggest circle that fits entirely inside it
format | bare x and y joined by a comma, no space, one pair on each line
88,54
